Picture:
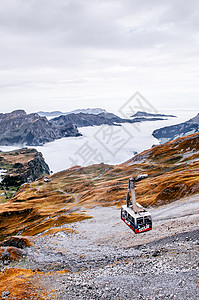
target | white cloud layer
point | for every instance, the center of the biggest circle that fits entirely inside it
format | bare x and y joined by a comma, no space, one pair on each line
69,54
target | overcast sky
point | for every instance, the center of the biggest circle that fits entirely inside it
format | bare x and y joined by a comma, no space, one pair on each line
68,54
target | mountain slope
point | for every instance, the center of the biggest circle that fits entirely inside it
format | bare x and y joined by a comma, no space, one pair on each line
96,257
173,170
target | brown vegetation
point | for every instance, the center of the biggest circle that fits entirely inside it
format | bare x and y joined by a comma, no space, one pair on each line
19,284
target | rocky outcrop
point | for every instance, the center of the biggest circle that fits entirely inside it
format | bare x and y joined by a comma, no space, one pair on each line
170,133
20,166
20,242
18,127
146,114
7,254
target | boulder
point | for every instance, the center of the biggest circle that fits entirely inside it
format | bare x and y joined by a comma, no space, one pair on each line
16,241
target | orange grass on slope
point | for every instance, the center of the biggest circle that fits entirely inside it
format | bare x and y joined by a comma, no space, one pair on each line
34,210
18,283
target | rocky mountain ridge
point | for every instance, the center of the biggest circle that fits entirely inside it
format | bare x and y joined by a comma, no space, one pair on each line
170,133
82,119
104,118
18,127
94,111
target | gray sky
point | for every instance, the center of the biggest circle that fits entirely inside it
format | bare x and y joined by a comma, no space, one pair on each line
68,54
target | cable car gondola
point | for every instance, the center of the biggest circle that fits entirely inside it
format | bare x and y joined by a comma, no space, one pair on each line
133,214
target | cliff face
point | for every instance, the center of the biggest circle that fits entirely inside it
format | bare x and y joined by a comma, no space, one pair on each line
20,166
31,129
170,133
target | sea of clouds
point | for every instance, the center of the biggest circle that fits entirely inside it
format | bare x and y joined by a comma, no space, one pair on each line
107,144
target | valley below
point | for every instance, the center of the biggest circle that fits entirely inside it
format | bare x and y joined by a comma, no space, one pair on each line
63,153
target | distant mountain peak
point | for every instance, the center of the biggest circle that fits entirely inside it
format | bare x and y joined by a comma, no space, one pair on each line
18,127
18,112
14,113
147,114
93,111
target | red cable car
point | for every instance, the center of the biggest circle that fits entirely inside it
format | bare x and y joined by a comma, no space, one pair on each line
133,214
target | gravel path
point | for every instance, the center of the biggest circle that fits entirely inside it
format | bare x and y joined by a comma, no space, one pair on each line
164,269
107,260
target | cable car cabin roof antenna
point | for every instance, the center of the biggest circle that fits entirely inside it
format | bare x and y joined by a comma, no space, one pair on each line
133,214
